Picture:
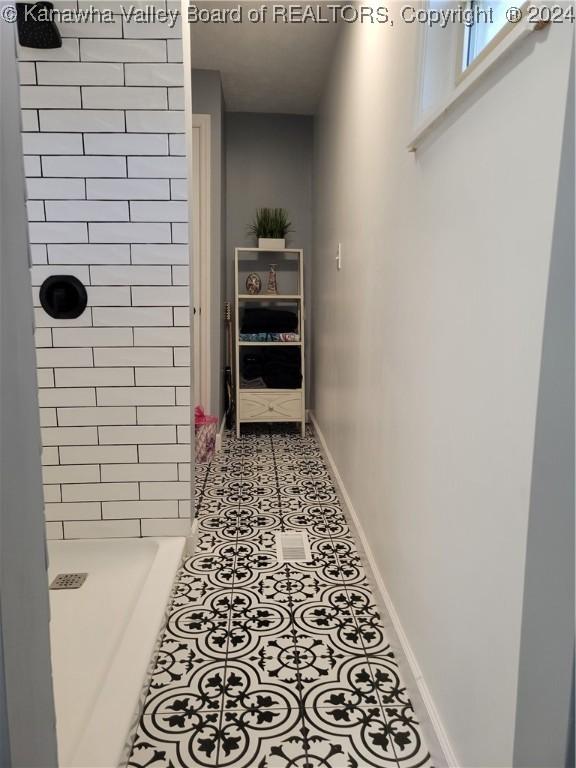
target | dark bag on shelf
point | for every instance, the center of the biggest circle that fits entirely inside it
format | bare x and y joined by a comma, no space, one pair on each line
278,368
282,369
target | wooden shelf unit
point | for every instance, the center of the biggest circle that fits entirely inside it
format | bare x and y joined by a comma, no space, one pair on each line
270,405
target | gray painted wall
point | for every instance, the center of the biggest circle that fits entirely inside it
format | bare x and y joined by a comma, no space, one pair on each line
543,722
269,163
25,668
207,99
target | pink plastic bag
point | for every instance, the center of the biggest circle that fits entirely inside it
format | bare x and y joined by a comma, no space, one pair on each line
205,429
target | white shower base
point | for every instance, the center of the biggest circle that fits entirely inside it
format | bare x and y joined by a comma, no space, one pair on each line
103,637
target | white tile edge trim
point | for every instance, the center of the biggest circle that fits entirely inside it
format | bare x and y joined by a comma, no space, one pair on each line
132,665
435,721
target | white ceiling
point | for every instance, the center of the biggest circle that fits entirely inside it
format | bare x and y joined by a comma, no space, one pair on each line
265,67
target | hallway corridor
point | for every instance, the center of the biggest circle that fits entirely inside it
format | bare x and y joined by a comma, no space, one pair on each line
271,665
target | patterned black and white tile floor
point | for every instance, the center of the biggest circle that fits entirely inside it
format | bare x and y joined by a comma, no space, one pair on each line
269,665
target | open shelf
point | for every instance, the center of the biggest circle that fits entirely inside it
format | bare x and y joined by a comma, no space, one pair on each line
269,343
271,391
269,250
270,297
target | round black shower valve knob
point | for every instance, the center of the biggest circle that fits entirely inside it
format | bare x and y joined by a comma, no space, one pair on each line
63,297
36,27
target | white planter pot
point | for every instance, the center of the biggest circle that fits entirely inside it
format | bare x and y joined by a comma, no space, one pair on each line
272,243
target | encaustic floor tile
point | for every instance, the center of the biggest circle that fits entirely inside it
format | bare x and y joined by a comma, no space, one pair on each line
266,664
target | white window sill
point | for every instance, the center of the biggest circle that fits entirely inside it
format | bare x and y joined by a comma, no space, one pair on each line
468,83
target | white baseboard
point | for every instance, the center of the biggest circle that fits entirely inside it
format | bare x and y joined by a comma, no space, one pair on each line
425,694
220,434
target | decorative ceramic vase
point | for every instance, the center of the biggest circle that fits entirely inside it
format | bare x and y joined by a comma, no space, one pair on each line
272,281
272,243
253,283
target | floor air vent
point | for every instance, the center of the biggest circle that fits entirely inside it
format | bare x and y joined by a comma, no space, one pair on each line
69,581
292,547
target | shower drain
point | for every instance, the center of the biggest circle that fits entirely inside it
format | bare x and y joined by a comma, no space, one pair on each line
69,580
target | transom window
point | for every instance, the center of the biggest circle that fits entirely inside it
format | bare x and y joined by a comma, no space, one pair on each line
491,24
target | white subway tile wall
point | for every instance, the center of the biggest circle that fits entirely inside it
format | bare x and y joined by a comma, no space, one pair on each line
103,138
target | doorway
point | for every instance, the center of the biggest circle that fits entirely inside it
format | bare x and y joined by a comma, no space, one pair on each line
200,240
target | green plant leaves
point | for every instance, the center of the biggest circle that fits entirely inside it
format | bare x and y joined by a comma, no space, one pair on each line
270,222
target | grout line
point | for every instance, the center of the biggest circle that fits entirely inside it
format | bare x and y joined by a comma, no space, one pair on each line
230,612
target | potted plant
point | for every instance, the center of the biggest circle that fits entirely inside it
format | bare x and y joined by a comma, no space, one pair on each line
270,227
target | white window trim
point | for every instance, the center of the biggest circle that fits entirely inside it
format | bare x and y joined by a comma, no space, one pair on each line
506,29
470,81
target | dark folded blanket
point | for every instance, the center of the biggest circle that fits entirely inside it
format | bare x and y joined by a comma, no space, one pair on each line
258,320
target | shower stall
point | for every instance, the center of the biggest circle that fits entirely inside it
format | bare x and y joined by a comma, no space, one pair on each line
95,246
103,636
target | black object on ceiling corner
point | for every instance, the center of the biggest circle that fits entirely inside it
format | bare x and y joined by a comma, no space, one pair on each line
63,297
36,27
